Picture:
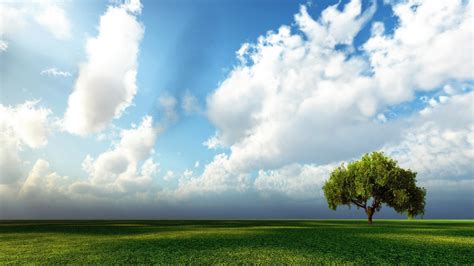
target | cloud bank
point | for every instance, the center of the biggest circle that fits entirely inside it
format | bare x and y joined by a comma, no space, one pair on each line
301,104
301,100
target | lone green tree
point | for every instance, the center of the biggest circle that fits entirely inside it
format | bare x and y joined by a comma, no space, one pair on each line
374,180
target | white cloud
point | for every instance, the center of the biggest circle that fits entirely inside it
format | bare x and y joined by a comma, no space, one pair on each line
449,89
41,182
118,169
13,19
168,105
434,145
438,146
106,84
54,72
444,187
54,19
133,6
10,162
433,40
3,46
213,142
342,26
382,118
299,106
292,109
124,171
17,17
296,98
168,176
218,177
26,122
20,126
190,104
294,181
187,173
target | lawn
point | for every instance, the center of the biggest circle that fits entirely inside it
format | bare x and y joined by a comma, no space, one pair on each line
262,241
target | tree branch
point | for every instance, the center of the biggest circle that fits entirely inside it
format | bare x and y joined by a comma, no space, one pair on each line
376,203
363,203
358,203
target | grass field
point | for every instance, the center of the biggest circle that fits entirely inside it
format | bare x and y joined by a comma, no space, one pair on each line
311,241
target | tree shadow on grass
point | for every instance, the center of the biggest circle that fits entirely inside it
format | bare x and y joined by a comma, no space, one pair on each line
137,227
126,227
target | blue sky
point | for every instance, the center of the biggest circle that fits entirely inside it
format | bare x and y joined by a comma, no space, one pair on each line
215,109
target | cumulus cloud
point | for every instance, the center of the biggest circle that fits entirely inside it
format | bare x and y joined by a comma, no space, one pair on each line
126,168
438,146
296,98
218,177
433,40
26,122
42,182
54,72
24,125
299,104
106,84
440,149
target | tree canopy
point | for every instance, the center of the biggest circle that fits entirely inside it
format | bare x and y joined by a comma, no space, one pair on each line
374,180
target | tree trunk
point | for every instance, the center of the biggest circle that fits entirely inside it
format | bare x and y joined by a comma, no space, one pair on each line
370,213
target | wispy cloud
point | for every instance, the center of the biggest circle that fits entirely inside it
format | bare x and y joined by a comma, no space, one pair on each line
54,72
168,105
190,104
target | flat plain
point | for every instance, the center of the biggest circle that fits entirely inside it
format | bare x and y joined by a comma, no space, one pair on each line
237,241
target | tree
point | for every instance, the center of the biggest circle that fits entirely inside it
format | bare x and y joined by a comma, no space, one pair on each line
374,180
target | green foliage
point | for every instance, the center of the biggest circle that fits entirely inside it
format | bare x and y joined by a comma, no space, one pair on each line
372,181
266,242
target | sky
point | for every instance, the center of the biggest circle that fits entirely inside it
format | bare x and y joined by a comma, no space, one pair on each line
213,109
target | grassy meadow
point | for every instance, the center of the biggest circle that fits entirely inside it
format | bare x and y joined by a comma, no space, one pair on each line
261,241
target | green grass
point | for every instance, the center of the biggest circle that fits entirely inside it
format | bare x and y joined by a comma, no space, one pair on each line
269,242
